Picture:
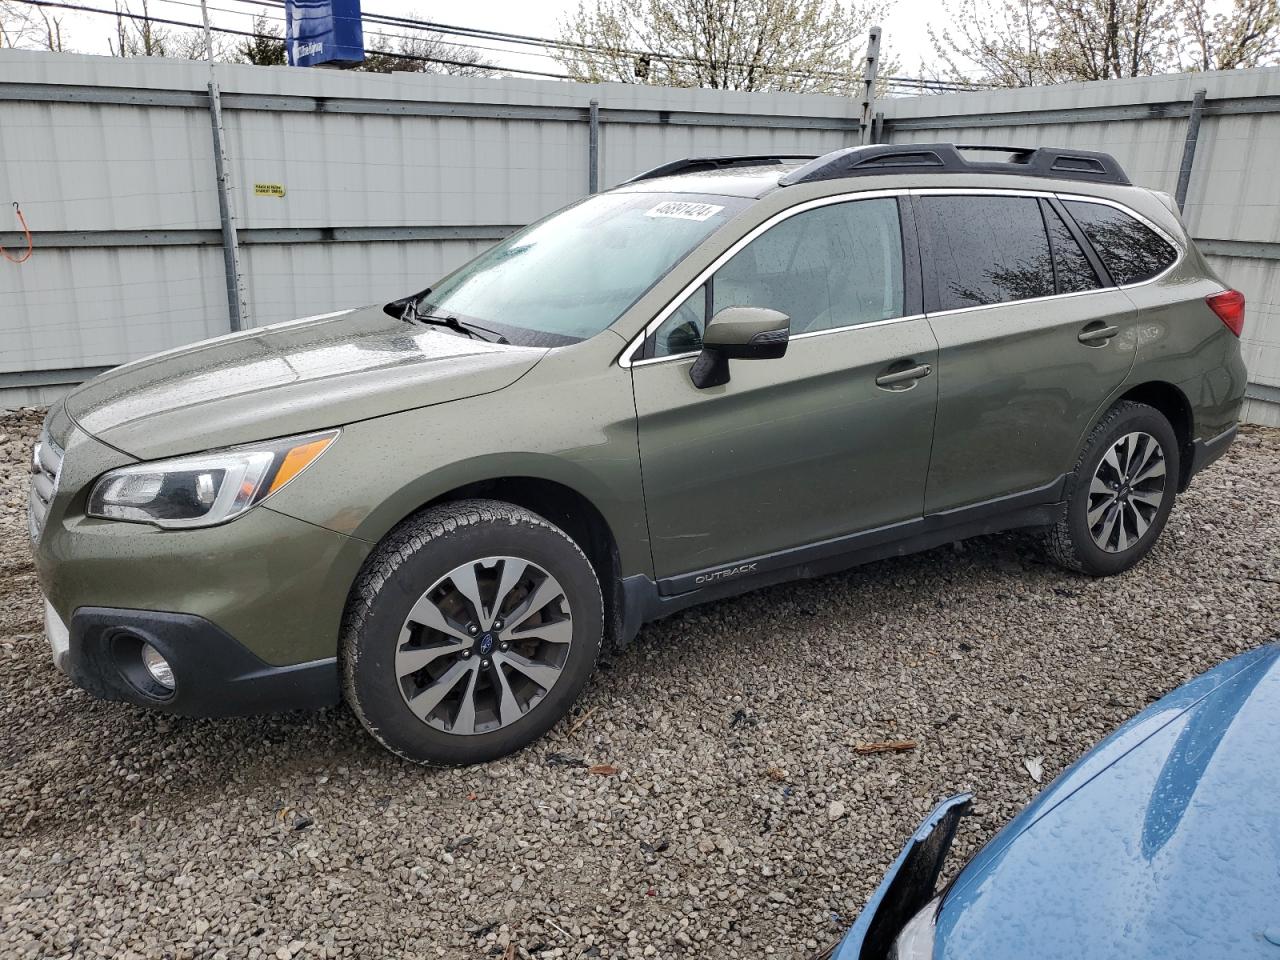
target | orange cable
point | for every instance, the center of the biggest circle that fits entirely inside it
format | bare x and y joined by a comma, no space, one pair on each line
26,232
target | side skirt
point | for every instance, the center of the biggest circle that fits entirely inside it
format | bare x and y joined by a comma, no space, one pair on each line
644,600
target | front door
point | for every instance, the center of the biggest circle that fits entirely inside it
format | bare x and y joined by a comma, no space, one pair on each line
1031,343
802,449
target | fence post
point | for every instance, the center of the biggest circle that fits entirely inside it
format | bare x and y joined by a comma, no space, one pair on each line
869,70
1189,149
236,310
593,149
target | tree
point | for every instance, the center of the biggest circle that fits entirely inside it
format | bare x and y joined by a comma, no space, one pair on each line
1246,36
33,28
1004,44
1025,42
265,48
424,53
800,46
1109,39
138,36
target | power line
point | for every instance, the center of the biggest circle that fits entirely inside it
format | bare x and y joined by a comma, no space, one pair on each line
166,21
277,18
569,46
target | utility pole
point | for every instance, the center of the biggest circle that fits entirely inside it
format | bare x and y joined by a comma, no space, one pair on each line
869,70
1189,148
237,308
208,35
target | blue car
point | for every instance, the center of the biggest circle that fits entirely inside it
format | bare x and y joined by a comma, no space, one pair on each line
1162,843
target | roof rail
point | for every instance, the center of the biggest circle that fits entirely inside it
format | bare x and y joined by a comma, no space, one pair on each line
1055,163
694,164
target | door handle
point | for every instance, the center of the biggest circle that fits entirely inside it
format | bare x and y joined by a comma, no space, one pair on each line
1096,336
909,375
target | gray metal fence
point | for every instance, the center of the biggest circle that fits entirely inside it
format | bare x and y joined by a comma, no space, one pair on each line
387,182
390,181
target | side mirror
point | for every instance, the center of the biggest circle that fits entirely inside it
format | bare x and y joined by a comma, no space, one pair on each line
739,333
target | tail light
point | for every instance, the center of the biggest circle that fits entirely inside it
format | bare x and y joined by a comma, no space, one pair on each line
1229,306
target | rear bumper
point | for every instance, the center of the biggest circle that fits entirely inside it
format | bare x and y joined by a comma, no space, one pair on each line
214,674
1204,452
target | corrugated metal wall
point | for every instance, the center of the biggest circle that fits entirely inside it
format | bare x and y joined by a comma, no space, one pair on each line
391,181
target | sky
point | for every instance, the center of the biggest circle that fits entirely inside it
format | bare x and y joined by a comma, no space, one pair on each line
905,28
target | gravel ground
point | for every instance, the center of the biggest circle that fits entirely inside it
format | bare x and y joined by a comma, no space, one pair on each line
741,821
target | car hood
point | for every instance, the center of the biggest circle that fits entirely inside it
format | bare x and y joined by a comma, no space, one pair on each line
288,378
1162,842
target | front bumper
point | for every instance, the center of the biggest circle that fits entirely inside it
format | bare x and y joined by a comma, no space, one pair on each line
59,638
907,887
214,674
253,603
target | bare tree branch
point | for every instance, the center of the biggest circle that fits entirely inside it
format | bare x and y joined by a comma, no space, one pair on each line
1025,42
31,28
799,46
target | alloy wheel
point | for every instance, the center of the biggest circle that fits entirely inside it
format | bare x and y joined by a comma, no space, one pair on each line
1126,492
484,645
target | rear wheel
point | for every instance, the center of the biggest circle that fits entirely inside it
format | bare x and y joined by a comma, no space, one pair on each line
472,630
1120,493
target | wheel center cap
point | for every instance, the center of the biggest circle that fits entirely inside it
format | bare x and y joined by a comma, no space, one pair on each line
486,643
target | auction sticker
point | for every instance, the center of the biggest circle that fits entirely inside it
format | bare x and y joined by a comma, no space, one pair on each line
682,210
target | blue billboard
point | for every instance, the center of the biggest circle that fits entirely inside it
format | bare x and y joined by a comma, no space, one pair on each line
323,33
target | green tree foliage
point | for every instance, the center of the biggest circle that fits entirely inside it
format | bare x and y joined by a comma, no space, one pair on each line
265,48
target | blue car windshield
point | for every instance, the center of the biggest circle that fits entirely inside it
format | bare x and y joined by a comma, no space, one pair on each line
571,275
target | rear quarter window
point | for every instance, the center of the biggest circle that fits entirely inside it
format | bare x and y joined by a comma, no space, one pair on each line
1131,251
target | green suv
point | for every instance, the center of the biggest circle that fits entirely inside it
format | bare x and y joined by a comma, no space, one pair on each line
724,373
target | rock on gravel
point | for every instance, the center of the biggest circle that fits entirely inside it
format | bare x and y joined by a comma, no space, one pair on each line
741,822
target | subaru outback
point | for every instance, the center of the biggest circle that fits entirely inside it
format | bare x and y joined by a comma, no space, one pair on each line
722,374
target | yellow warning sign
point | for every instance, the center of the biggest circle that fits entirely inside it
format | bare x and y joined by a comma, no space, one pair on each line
269,189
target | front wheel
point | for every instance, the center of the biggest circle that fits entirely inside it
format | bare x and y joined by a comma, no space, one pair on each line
1120,493
471,631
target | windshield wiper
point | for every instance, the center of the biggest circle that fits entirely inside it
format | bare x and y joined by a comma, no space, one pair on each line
407,310
453,323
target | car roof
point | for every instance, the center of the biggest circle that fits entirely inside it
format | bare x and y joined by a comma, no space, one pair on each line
747,180
756,176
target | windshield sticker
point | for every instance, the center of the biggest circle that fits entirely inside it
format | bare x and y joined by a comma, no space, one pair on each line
683,210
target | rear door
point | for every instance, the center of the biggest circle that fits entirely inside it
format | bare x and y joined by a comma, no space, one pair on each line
1032,338
801,449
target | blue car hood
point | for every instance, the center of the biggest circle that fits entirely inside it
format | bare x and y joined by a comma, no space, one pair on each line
1163,842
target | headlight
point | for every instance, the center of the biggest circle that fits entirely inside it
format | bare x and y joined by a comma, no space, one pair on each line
915,942
206,488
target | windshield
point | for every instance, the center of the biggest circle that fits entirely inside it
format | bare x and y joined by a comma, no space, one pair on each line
570,276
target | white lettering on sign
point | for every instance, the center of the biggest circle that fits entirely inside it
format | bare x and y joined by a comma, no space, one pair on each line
301,50
683,210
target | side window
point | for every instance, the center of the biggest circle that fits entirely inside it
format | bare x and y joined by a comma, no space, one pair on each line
1131,251
834,266
1074,271
987,250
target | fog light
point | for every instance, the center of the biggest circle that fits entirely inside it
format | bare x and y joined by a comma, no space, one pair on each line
157,666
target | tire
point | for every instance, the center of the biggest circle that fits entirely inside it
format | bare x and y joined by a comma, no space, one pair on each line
1126,522
432,690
